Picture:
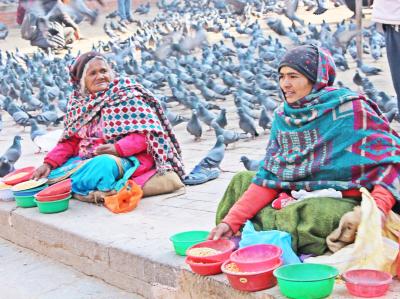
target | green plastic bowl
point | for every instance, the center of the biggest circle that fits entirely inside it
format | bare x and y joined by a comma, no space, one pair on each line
56,206
182,241
306,281
25,201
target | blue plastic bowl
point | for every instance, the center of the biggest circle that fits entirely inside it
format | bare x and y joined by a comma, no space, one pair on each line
30,192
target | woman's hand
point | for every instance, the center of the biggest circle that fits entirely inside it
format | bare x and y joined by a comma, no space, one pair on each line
221,231
42,172
105,149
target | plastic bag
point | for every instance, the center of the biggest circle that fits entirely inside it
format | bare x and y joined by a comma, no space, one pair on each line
275,237
370,250
126,199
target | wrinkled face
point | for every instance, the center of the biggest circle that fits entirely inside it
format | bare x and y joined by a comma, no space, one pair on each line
98,76
294,85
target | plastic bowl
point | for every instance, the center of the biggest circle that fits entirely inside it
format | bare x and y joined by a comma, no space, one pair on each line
25,201
306,280
56,206
30,192
10,180
52,197
59,188
204,267
367,283
182,241
251,281
256,257
224,246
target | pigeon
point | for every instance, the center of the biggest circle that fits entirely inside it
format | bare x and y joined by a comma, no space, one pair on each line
246,123
35,133
14,151
3,31
357,79
249,164
368,70
5,167
221,118
264,121
215,156
193,126
205,116
229,135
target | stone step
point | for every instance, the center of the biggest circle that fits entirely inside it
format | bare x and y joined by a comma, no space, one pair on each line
26,274
132,251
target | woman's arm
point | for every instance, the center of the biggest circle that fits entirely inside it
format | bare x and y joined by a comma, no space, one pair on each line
131,144
384,198
62,152
252,201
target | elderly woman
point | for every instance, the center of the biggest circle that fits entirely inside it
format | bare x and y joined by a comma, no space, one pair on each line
322,137
114,128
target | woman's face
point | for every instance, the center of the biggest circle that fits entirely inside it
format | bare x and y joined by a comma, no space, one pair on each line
294,85
98,76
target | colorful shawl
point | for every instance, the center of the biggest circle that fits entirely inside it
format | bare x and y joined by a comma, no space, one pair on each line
127,107
332,138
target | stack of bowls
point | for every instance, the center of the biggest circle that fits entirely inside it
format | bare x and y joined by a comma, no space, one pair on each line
206,258
251,268
54,199
24,192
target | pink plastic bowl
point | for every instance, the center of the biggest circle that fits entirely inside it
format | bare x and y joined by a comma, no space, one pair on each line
225,246
256,257
367,283
204,268
252,281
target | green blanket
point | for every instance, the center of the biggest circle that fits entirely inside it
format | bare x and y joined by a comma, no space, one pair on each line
309,221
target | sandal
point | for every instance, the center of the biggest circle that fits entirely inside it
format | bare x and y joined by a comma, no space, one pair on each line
200,175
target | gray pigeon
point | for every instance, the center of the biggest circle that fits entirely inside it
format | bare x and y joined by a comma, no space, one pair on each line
215,156
36,132
246,123
14,151
221,119
264,121
249,164
194,127
229,135
5,166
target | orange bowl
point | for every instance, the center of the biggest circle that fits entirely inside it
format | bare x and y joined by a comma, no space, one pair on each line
205,267
59,188
19,176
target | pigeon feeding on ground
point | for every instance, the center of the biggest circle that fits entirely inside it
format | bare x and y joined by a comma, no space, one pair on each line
194,127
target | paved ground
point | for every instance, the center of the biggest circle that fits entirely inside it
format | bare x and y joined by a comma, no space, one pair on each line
26,274
97,242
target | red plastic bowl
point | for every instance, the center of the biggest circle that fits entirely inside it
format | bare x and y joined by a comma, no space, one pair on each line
52,197
256,257
59,188
225,246
367,283
252,281
204,268
10,181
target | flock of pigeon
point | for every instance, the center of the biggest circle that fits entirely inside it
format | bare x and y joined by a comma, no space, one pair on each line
172,55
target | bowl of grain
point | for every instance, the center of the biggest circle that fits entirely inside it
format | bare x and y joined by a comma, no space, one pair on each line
212,250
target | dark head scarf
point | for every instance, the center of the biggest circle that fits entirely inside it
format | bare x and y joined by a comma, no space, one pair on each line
316,64
79,65
303,59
